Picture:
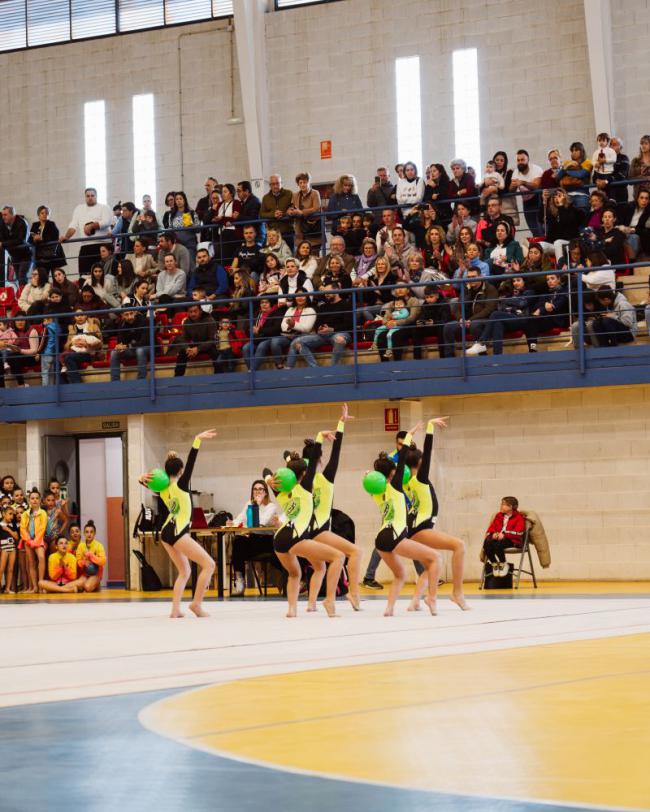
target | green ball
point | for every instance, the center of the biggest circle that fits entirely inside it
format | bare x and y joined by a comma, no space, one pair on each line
159,480
287,479
407,476
374,482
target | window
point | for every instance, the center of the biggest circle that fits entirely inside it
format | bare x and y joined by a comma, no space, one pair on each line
293,3
95,147
408,110
467,124
144,148
32,23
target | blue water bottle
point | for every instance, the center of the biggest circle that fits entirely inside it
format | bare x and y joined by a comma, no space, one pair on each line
249,516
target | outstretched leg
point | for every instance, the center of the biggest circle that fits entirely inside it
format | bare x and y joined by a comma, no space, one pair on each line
353,554
419,552
315,553
193,551
443,541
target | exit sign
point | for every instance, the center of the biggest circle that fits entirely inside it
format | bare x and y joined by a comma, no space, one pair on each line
111,424
391,418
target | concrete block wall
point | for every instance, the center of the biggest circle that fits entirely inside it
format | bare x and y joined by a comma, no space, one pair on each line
630,32
332,76
43,100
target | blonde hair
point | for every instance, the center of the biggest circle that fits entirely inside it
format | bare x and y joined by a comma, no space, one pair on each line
338,186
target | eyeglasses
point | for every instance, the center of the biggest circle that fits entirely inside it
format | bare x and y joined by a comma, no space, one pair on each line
260,489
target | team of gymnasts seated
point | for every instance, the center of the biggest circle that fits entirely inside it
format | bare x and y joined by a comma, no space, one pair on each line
408,509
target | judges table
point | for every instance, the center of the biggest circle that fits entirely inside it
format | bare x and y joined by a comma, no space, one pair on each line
205,537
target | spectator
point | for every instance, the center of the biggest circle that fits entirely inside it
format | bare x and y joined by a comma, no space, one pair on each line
486,226
603,161
250,253
244,289
385,233
84,341
436,191
333,326
561,218
575,176
461,183
250,207
351,236
245,548
491,184
399,252
274,209
621,171
460,219
435,254
171,284
399,169
552,308
634,222
34,295
505,250
299,320
551,176
88,302
506,530
57,521
365,262
44,234
230,234
140,295
9,534
211,218
107,259
14,239
597,201
32,537
418,221
381,193
183,220
537,262
433,316
526,179
91,559
104,285
89,219
8,338
167,215
335,272
145,225
508,201
337,249
24,351
380,275
168,244
480,302
275,244
123,229
304,208
69,290
410,188
205,202
294,279
270,279
344,198
399,320
611,238
516,302
209,275
267,325
198,337
124,279
49,348
612,322
132,341
144,265
307,262
62,570
230,341
640,166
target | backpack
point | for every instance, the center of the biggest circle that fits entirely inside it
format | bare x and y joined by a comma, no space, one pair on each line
150,580
148,521
220,518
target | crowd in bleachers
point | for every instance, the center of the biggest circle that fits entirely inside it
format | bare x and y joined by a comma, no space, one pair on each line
420,234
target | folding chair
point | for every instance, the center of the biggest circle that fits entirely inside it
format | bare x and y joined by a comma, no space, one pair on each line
522,551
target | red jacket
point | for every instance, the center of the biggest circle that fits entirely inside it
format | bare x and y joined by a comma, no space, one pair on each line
512,527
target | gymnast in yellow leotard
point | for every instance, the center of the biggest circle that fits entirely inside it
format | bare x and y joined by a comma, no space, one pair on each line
175,535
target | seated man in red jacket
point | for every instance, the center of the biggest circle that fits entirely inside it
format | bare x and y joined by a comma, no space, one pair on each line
506,530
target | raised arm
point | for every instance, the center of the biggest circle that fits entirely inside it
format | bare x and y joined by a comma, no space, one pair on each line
186,476
329,472
427,449
398,476
308,480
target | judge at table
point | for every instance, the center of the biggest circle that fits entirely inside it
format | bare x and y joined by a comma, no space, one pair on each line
250,546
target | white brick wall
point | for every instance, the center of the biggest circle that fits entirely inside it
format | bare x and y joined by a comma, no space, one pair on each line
630,32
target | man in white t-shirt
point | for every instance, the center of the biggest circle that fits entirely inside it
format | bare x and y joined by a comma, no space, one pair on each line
89,219
527,177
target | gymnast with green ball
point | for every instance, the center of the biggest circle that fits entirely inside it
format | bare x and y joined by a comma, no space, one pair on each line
173,487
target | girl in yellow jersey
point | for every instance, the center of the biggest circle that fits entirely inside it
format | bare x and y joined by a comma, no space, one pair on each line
175,532
392,540
90,551
293,538
423,514
323,492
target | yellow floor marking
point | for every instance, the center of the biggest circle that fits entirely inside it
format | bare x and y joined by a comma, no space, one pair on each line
555,588
567,722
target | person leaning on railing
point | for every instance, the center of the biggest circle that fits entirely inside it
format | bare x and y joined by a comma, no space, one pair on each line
274,207
305,207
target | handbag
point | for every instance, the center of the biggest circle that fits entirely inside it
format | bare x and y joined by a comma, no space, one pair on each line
500,577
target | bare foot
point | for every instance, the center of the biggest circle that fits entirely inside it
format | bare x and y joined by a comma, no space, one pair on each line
199,611
460,601
176,613
414,606
330,608
312,607
354,601
292,612
388,612
431,603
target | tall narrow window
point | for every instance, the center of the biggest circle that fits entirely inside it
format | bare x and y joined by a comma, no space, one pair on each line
95,147
408,110
144,148
467,124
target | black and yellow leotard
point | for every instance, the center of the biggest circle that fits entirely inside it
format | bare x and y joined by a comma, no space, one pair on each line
178,501
421,493
298,507
324,484
392,506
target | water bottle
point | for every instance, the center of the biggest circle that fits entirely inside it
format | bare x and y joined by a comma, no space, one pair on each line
249,516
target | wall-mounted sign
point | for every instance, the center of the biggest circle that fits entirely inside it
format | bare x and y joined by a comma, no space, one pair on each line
325,150
107,425
391,418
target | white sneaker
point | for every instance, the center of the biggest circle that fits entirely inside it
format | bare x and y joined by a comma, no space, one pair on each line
476,349
238,590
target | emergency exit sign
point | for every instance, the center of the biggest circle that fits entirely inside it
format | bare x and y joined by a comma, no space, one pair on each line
391,418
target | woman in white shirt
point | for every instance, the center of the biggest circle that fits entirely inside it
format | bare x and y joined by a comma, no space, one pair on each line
410,188
244,548
307,262
298,320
